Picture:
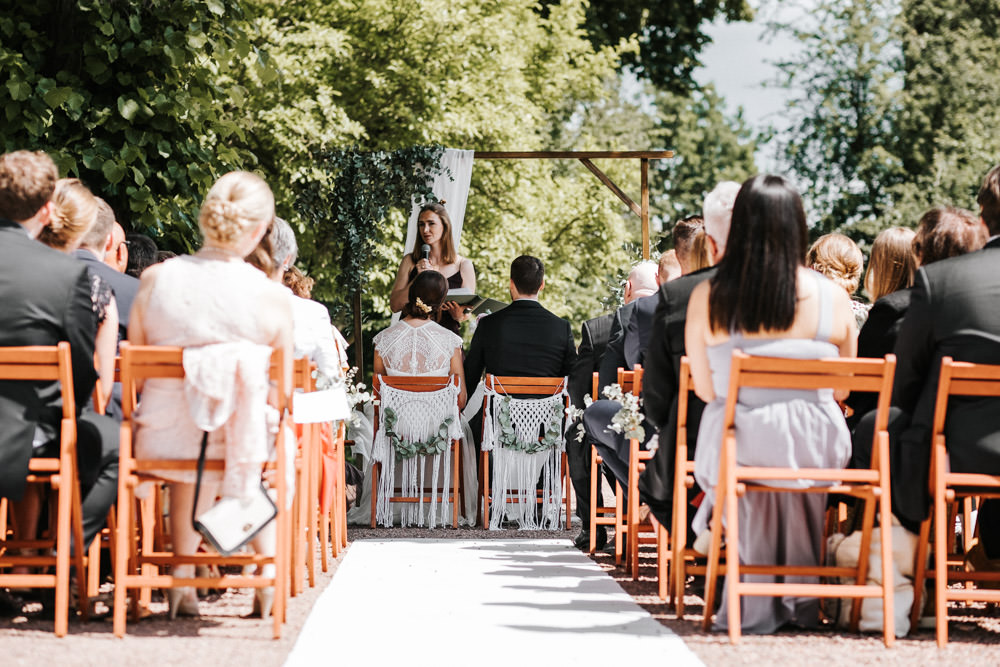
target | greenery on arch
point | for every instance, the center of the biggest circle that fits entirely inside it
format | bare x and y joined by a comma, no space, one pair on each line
346,203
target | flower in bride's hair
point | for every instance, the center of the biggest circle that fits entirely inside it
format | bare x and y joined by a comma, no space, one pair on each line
424,308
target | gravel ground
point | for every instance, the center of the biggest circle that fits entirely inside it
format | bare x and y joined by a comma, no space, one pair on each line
221,637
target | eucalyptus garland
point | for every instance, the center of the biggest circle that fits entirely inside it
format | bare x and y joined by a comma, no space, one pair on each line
436,444
508,437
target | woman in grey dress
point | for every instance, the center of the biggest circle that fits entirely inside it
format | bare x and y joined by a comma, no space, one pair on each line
764,302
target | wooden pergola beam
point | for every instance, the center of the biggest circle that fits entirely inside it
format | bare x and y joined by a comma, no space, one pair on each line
585,157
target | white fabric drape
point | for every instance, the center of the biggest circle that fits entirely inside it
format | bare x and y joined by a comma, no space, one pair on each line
456,164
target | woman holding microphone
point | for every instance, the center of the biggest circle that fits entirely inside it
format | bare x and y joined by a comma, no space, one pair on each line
435,251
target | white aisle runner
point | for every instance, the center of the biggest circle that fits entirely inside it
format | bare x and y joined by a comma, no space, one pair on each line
479,602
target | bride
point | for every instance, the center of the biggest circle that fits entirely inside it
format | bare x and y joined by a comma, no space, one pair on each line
418,345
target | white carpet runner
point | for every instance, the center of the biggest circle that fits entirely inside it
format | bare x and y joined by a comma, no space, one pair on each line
482,602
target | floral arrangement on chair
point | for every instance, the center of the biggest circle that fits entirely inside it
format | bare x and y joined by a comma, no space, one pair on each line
628,420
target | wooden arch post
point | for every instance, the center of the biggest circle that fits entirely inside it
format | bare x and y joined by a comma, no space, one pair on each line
585,157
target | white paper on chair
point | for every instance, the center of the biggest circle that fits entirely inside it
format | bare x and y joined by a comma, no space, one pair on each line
320,406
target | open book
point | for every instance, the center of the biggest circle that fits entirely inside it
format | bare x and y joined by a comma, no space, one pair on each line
475,304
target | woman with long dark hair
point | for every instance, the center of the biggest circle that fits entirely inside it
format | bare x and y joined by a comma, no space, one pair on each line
434,231
765,302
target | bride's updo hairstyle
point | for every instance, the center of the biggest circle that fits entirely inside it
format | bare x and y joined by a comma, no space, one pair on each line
74,210
427,293
234,207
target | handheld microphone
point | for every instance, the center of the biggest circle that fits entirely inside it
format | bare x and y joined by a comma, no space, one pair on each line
426,250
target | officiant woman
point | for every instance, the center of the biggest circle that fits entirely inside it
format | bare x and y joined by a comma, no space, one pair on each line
434,231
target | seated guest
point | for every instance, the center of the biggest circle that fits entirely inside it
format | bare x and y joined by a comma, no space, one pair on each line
839,259
523,339
96,243
662,360
313,332
222,311
141,253
942,232
952,312
776,308
698,258
46,298
74,211
116,256
683,234
669,268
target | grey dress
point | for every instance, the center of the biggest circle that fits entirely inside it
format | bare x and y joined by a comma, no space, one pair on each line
775,427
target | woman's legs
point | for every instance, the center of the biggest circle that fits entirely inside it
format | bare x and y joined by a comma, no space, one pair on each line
186,539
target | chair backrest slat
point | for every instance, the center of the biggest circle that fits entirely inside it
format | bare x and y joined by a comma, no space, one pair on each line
525,385
960,378
45,363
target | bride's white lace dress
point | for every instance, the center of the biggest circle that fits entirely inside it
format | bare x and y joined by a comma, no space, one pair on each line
424,348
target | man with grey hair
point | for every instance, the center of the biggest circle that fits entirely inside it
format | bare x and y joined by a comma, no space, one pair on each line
663,357
96,244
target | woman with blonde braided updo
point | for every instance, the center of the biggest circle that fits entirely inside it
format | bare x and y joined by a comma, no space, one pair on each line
839,259
223,311
74,210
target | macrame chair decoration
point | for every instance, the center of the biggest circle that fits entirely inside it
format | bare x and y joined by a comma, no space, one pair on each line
417,424
527,441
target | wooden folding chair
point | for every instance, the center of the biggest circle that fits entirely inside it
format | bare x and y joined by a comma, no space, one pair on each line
604,515
137,566
947,488
627,381
49,364
871,375
417,385
524,387
306,482
636,465
680,554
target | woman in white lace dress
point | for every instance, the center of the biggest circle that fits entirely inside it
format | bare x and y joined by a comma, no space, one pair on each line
417,344
227,315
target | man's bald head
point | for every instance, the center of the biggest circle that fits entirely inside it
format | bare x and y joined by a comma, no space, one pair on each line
641,281
718,213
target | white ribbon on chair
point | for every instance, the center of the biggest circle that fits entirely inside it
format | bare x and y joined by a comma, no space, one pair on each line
516,471
420,416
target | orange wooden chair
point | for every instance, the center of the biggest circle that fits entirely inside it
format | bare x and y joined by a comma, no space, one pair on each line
604,515
137,565
872,485
627,381
49,364
306,501
416,384
524,387
634,527
968,380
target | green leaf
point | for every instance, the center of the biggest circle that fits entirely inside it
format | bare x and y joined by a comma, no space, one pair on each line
216,7
112,171
128,108
19,90
57,96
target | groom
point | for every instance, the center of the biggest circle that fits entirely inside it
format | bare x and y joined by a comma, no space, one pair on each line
524,339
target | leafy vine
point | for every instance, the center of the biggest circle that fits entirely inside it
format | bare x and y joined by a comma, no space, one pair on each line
436,444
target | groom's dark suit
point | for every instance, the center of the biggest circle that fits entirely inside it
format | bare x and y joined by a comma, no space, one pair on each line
523,339
46,299
953,313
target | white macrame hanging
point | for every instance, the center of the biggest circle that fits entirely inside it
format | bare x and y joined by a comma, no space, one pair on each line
516,472
420,416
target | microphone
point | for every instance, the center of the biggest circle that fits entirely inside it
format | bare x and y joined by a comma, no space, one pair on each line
426,250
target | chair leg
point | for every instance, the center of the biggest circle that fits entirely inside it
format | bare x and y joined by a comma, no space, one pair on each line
595,461
732,555
662,559
121,560
940,563
485,480
376,468
888,581
619,523
567,491
920,572
456,484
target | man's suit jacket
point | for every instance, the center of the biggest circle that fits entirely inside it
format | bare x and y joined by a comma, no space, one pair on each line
876,339
594,335
523,339
46,299
627,345
953,312
661,367
123,285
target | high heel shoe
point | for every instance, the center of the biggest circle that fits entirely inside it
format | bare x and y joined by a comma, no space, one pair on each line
263,600
183,602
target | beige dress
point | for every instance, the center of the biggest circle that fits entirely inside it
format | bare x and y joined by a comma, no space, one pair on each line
211,305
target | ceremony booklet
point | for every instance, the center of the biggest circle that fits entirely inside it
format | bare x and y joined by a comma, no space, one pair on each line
475,304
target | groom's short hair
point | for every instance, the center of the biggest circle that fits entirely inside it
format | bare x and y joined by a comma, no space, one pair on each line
527,273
